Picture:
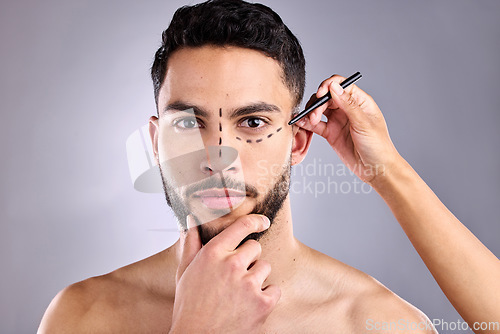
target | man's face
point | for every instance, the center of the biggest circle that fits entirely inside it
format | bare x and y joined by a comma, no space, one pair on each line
223,141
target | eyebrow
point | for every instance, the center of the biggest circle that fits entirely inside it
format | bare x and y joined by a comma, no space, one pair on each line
253,108
238,112
182,106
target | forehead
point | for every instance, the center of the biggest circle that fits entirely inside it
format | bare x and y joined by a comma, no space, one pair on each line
223,77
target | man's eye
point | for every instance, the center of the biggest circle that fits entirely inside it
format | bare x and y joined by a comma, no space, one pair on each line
253,122
187,123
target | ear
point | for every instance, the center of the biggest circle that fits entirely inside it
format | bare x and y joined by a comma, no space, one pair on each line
301,141
154,131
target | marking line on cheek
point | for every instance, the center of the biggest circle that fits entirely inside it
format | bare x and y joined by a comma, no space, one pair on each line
261,139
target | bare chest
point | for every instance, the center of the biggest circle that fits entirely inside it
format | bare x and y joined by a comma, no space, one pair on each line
156,317
300,322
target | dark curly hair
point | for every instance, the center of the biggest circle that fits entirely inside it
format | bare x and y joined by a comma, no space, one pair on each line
233,23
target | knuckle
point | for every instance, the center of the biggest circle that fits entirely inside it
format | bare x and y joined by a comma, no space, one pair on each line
254,244
235,263
248,222
250,283
209,251
366,98
265,265
351,100
267,303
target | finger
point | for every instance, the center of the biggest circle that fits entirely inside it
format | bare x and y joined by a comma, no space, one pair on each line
315,116
190,245
324,86
231,237
353,101
260,271
316,112
249,252
319,128
272,293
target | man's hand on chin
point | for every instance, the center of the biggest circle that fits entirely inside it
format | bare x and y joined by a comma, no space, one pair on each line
220,288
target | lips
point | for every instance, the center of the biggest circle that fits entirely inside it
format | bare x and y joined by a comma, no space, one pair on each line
220,198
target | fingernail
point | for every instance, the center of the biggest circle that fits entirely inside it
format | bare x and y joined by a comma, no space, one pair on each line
267,222
321,91
189,221
301,122
337,88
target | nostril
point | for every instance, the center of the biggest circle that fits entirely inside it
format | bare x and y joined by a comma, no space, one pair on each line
218,159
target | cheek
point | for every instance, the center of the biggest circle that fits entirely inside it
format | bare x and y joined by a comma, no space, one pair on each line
263,165
265,173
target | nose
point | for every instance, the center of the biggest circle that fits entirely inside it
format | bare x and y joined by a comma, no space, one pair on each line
219,159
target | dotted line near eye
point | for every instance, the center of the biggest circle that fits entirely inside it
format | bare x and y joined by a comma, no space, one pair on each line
261,139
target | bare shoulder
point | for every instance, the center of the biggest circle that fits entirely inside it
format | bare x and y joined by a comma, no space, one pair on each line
114,301
67,313
377,309
366,304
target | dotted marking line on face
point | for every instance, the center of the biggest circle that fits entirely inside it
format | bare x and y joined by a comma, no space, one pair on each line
261,139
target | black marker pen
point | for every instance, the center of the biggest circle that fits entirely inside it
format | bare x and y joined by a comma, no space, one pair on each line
322,100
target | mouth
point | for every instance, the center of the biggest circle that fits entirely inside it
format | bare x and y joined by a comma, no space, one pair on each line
220,198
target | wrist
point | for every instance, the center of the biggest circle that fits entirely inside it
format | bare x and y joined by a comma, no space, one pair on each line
395,172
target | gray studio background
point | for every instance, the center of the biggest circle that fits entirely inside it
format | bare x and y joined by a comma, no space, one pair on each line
75,84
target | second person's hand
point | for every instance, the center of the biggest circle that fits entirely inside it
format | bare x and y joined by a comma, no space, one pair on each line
355,129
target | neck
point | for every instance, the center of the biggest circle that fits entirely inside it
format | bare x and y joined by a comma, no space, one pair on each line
280,248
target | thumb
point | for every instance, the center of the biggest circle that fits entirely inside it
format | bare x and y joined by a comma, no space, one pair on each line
190,243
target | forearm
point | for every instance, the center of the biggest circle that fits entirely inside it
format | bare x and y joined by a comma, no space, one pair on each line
467,272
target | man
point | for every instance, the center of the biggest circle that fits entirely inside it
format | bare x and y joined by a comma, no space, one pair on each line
228,78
